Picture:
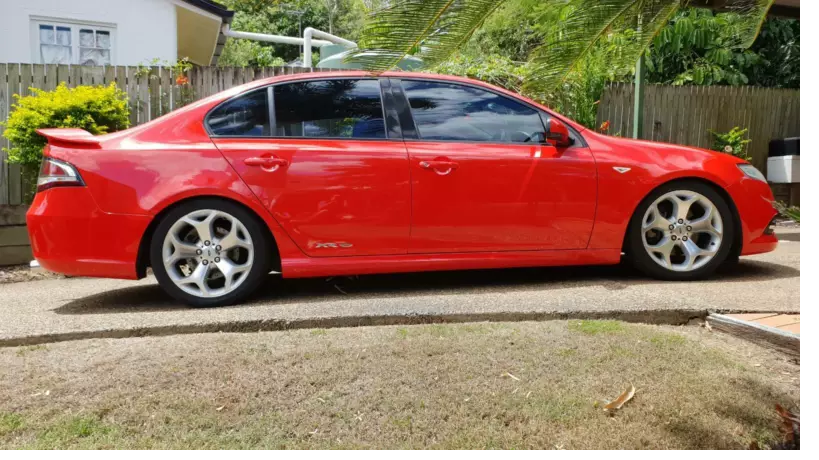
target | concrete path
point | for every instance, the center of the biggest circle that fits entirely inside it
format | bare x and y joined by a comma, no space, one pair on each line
65,309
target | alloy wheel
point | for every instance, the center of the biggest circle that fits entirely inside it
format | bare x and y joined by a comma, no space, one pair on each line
208,253
682,230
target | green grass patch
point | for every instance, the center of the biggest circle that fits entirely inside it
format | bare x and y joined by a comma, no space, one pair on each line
667,340
22,351
10,422
592,327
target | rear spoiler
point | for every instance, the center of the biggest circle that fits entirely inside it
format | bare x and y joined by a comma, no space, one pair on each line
74,136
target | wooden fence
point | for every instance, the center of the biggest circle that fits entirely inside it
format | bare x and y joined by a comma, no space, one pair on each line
152,92
685,114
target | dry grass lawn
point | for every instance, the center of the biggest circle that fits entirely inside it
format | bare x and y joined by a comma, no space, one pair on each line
484,385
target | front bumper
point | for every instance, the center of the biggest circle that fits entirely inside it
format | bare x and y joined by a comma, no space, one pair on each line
71,235
754,202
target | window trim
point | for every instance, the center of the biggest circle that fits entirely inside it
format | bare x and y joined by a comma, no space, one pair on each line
271,104
578,139
35,21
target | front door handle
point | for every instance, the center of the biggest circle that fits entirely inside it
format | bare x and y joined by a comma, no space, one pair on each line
268,164
441,167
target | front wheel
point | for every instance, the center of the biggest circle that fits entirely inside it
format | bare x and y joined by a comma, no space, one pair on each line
682,231
209,252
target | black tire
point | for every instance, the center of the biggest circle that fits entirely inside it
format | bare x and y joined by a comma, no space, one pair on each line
639,257
262,248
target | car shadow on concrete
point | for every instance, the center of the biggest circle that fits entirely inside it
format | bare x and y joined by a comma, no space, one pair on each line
150,298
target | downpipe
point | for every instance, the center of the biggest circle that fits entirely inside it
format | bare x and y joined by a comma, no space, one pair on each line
270,38
309,43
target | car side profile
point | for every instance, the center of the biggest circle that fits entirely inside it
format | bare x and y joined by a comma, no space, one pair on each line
343,173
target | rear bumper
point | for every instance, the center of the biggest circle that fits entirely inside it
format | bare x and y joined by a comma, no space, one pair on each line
71,235
754,201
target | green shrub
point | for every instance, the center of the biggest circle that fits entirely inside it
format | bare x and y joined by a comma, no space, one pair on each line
788,212
733,142
96,109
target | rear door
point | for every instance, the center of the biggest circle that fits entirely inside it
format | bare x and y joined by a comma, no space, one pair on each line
318,155
483,179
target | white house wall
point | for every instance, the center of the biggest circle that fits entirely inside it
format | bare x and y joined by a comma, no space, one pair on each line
142,29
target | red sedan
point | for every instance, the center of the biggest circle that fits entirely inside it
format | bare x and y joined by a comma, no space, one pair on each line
353,173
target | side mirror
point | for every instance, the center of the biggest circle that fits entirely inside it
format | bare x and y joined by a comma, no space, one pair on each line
557,133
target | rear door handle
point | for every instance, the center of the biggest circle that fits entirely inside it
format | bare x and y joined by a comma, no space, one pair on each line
268,164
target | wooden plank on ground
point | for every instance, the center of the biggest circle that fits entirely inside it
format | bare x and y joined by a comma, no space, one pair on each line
15,255
14,236
785,342
13,215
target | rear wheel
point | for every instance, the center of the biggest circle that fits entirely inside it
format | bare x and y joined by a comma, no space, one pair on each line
209,252
682,231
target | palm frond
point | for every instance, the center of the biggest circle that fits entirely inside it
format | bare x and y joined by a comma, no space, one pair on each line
429,29
753,13
587,22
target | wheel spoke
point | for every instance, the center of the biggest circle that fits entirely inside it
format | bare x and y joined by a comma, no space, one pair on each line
706,223
203,227
664,248
230,269
181,250
233,239
198,278
682,206
657,222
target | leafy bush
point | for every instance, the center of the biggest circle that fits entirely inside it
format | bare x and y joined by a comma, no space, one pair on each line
788,212
96,109
732,142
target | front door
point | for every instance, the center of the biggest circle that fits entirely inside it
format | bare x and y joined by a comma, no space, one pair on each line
324,167
483,180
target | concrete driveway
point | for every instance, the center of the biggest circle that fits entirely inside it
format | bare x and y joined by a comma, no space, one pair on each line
66,309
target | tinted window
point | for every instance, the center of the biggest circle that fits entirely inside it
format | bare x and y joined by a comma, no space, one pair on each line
444,111
246,115
329,108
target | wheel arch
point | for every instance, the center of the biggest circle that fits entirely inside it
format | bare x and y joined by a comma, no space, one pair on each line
736,244
143,253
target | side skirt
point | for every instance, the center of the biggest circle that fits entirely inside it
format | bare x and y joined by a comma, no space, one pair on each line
367,265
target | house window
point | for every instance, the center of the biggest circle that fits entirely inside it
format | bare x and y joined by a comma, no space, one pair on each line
71,42
55,44
95,47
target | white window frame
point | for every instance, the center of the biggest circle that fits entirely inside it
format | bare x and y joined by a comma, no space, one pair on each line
75,26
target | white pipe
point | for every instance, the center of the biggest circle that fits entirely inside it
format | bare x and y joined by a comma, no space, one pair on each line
309,43
270,38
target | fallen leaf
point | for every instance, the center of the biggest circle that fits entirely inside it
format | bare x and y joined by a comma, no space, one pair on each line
513,377
48,392
620,401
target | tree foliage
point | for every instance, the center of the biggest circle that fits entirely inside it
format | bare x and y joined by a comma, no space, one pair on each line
344,18
434,29
697,47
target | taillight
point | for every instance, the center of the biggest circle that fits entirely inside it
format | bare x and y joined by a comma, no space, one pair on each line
56,173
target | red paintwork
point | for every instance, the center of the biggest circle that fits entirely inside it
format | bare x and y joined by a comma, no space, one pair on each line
498,206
